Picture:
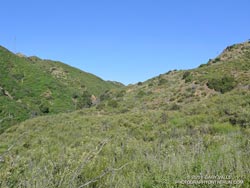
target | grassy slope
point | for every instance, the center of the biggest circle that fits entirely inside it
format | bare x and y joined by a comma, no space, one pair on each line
34,85
148,135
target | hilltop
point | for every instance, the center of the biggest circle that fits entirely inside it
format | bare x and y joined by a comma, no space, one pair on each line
30,86
180,125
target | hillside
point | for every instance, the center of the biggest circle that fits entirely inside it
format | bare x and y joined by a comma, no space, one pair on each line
181,125
222,84
30,86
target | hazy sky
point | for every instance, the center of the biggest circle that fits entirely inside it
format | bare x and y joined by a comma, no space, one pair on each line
124,40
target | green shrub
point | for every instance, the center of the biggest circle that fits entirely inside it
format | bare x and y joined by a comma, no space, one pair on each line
163,118
124,110
222,85
162,81
169,72
44,109
175,107
222,128
216,60
141,94
187,76
113,104
202,65
209,61
242,119
151,84
229,48
105,96
75,95
18,76
121,93
100,106
84,101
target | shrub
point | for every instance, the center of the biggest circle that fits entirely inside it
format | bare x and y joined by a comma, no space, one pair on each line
2,93
209,61
100,106
162,81
75,95
33,114
222,85
216,60
141,94
169,72
175,107
150,84
202,65
121,94
163,118
84,101
113,103
242,119
187,76
44,109
105,96
124,110
181,99
18,76
229,48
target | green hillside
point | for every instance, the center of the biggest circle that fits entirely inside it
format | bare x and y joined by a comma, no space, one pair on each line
182,125
30,86
226,77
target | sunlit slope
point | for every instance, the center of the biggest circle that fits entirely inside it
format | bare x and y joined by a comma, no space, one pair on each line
30,87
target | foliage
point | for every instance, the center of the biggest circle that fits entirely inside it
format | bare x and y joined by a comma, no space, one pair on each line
84,100
129,149
216,60
203,65
224,84
44,109
162,81
241,118
141,94
187,76
105,96
113,103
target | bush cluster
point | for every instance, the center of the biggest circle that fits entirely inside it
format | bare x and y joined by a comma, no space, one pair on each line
187,76
224,84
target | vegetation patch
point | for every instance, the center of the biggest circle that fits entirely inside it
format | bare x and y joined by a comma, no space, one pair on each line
187,76
224,84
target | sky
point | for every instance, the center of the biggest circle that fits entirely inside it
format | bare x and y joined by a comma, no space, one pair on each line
124,40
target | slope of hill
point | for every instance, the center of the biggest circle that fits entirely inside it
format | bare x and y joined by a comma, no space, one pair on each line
30,86
226,77
172,130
